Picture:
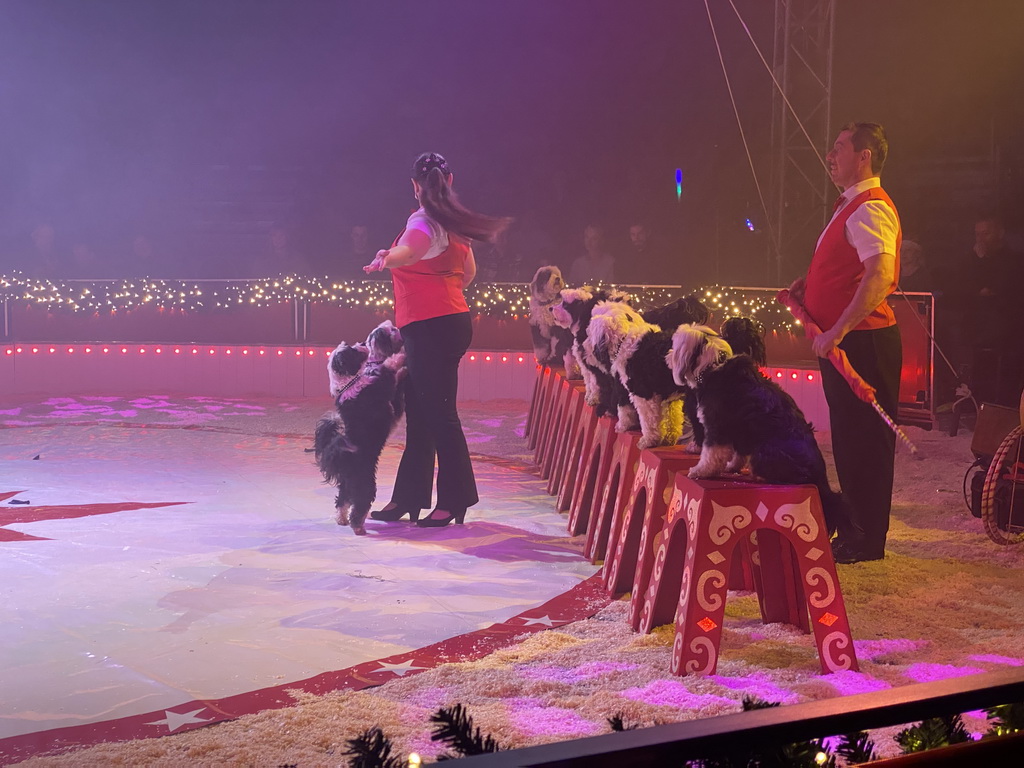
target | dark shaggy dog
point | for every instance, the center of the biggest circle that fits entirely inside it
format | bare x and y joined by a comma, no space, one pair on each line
688,309
552,344
745,336
367,385
747,417
604,391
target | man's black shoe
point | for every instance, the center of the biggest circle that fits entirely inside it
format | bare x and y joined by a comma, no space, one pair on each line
845,554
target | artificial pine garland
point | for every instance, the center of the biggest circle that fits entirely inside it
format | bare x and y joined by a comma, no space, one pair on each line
372,749
1005,719
454,727
933,733
856,748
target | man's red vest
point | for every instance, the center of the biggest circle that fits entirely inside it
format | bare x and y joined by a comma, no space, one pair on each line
431,287
836,271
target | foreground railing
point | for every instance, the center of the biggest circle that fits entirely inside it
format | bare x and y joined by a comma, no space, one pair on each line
762,729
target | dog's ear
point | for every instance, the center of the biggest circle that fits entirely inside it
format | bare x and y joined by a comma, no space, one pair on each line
689,343
609,325
678,353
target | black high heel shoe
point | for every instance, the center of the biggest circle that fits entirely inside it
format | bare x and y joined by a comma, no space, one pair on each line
458,515
393,512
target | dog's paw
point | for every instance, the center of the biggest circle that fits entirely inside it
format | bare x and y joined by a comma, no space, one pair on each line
591,400
358,530
691,447
647,442
341,516
737,465
698,472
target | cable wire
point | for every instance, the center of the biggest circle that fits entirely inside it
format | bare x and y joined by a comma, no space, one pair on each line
739,124
781,90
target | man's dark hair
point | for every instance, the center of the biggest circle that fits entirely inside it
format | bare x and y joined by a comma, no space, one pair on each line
870,136
990,217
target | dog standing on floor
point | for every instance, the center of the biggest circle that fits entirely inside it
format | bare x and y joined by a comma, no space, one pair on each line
748,417
552,344
367,383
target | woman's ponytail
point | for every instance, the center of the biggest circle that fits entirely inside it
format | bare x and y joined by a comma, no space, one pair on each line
442,204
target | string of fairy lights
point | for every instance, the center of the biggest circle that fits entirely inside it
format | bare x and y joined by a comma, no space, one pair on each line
501,300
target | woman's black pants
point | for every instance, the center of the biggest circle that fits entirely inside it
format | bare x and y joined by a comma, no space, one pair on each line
433,349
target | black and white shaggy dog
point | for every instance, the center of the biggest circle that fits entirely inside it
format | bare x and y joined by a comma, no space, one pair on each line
747,417
366,381
745,336
603,390
552,344
688,309
635,351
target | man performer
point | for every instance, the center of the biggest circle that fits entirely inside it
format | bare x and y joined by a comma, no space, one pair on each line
853,270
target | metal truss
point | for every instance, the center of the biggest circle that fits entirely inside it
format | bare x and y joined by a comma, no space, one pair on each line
801,190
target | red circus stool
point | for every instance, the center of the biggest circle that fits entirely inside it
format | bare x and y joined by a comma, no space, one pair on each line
565,408
592,469
707,520
531,415
580,436
536,418
616,484
659,571
718,514
648,500
563,441
557,394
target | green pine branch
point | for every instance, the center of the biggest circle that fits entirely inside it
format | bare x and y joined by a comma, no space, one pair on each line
933,733
1005,719
372,749
455,728
616,723
856,748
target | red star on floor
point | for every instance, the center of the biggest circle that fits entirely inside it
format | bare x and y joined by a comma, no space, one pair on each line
31,514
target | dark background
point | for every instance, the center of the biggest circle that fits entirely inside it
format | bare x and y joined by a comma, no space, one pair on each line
200,124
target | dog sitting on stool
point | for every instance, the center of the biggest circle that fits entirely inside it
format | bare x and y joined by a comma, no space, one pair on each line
688,309
366,381
621,342
603,390
745,336
748,417
552,344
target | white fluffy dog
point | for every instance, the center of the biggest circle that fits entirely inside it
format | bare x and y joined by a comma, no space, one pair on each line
552,343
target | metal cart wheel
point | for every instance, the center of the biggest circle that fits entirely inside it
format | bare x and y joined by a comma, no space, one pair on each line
1007,461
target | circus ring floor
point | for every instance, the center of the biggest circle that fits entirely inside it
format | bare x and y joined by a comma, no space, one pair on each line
172,562
122,620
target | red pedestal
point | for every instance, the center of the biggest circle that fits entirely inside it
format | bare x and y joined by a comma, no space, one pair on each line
580,437
559,457
648,501
535,400
593,468
616,483
541,423
560,413
717,514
